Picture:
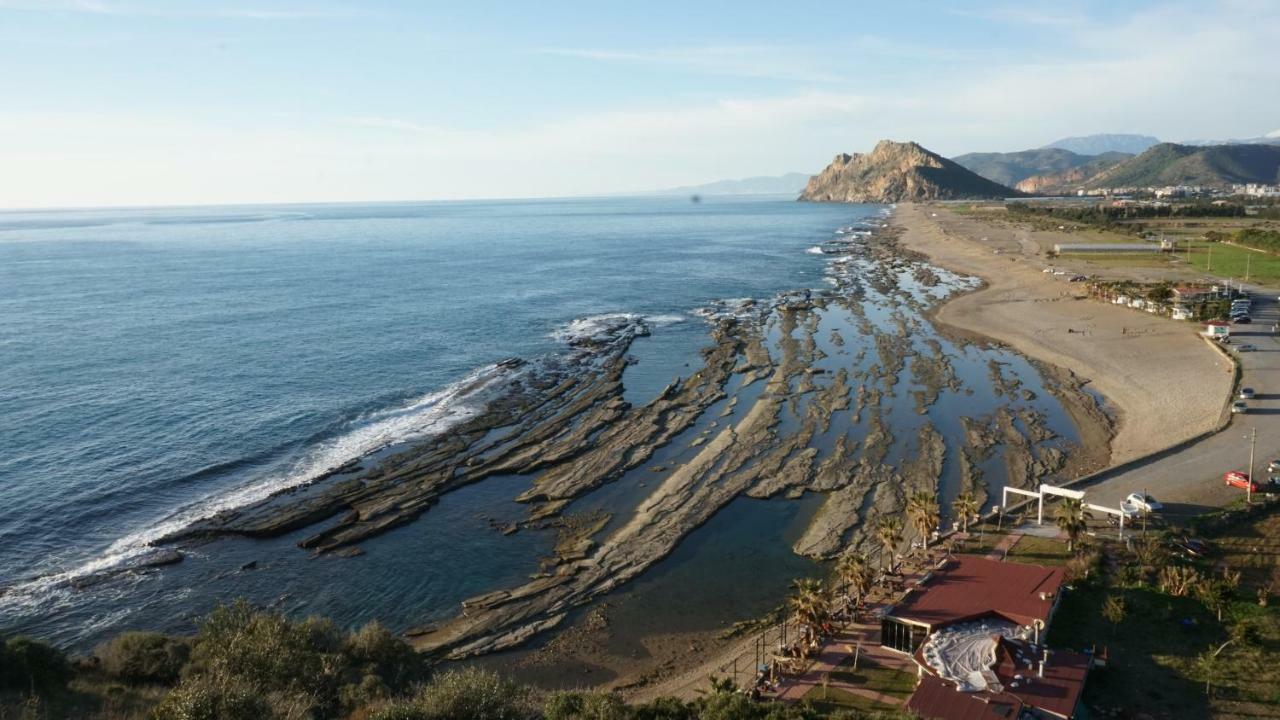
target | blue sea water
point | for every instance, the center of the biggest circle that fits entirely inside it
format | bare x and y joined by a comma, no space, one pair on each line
157,364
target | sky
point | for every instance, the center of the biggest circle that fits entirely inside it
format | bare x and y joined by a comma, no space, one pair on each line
156,102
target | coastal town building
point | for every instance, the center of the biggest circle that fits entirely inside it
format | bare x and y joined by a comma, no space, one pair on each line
1190,294
1257,190
975,630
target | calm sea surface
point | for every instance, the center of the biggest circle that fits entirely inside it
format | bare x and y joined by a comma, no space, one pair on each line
158,364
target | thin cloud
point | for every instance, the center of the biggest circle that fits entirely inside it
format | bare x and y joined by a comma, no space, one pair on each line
749,61
1025,15
98,7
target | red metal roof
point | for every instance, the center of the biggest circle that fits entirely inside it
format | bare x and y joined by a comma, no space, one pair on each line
1057,691
969,586
936,699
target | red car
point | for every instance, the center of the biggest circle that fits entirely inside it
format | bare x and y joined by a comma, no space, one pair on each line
1242,481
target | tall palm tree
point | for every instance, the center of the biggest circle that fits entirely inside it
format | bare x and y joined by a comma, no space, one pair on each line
965,506
854,572
922,508
809,602
889,533
1071,521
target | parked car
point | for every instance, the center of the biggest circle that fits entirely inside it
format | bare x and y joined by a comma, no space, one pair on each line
1247,394
1144,502
1274,465
1246,348
1239,407
1241,319
1237,479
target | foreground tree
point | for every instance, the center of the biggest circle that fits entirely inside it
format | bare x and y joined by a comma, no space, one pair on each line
889,533
922,508
854,572
1070,520
965,507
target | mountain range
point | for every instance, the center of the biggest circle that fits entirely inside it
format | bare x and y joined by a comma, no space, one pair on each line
785,184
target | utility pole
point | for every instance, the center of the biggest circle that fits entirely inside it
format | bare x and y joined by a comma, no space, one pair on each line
1248,263
1208,265
1248,487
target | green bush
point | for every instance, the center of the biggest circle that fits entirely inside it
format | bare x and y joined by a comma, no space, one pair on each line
374,650
27,665
584,706
468,694
143,657
215,698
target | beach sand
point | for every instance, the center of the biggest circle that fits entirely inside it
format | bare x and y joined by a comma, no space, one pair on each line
1162,382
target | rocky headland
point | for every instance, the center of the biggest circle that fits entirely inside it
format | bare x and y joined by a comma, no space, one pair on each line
899,172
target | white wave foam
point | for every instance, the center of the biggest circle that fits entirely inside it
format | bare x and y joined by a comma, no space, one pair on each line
594,327
664,319
815,250
422,417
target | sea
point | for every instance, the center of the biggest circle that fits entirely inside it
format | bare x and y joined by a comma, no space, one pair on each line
158,365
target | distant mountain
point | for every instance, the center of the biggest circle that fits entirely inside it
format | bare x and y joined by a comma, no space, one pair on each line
898,172
1013,167
1069,180
788,184
1214,165
1104,143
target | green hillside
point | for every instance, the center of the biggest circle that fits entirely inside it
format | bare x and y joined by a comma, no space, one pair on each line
1216,165
1013,167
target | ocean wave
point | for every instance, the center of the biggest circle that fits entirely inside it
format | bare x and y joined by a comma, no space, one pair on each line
424,416
816,250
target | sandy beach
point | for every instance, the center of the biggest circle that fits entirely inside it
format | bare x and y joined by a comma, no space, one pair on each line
1161,381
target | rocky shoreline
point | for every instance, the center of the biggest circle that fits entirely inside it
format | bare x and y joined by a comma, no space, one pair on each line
795,396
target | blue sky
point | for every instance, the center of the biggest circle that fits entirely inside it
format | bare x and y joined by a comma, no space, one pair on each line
138,102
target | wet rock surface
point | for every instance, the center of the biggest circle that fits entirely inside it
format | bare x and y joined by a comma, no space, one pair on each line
848,393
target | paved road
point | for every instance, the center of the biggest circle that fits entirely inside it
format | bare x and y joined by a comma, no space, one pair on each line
1189,481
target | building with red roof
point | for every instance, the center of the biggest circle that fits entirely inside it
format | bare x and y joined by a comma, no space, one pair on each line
967,587
973,627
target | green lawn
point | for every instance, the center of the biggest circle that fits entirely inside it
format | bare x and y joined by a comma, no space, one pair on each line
869,675
1232,261
1154,649
1150,651
830,700
1040,551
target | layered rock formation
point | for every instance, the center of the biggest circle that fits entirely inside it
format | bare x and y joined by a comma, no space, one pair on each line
898,172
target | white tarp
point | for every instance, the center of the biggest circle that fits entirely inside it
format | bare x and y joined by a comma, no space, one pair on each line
965,653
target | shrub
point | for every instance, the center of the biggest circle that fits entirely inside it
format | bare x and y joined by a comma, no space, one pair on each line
26,664
374,650
214,698
142,657
469,694
584,706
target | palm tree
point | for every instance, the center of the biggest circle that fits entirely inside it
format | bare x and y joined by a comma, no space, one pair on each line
1071,521
922,508
889,533
854,573
809,603
965,506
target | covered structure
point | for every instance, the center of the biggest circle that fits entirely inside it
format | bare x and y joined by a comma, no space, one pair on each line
967,587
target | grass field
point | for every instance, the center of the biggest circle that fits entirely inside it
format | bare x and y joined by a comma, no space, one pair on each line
1156,652
870,676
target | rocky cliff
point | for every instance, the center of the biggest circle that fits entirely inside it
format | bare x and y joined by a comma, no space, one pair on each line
898,172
